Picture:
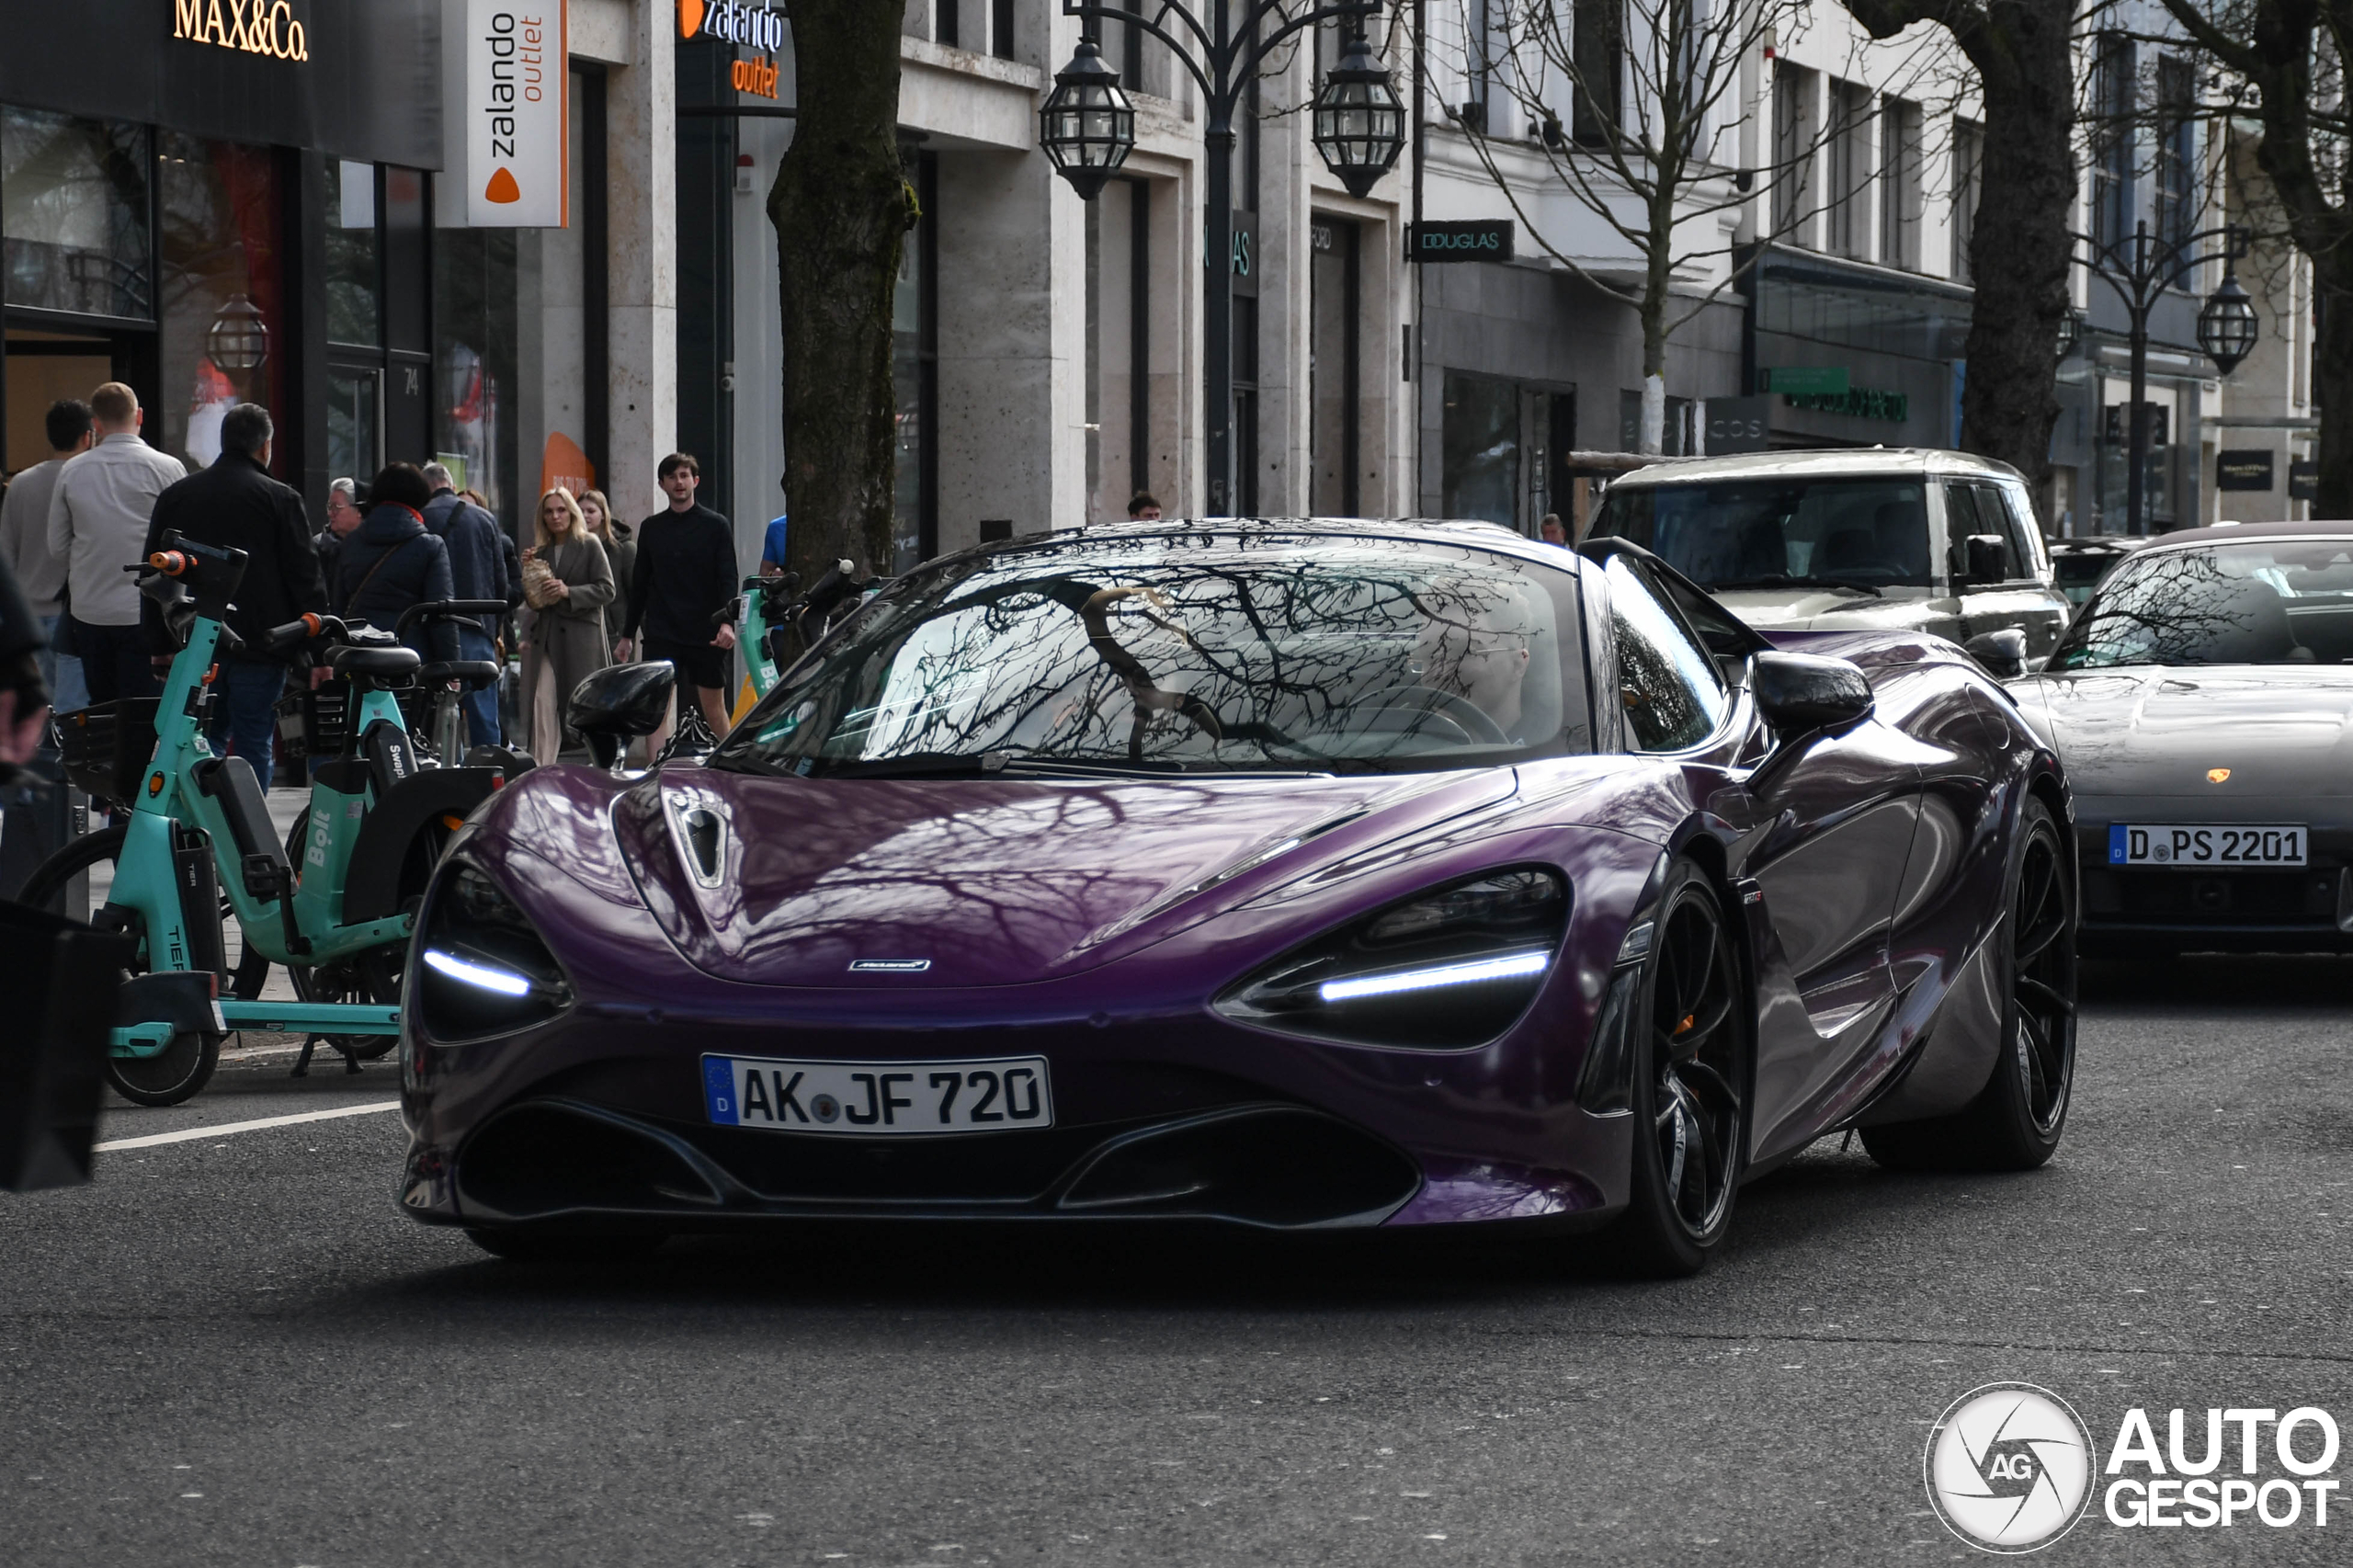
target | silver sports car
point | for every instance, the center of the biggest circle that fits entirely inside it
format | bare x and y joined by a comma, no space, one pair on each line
2202,702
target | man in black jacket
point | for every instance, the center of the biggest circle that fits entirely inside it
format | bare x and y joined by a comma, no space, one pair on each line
686,575
236,503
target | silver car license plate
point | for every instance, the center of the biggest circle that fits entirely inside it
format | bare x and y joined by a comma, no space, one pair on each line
2205,846
877,1099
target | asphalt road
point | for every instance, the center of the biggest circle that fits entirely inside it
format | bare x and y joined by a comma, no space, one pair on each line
231,1350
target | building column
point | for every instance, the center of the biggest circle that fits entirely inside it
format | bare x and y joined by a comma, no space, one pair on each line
642,276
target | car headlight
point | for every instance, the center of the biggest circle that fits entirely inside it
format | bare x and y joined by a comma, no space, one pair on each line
1446,970
481,968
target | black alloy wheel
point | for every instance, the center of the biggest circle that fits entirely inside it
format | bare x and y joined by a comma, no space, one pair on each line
1692,1083
186,1065
2017,1120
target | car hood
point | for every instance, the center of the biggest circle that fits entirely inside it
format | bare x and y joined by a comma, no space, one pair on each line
1825,610
791,881
2281,729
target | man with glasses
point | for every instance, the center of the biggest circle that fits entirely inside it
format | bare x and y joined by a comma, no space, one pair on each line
342,516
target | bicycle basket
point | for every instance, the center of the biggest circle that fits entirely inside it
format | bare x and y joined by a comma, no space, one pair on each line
312,724
106,749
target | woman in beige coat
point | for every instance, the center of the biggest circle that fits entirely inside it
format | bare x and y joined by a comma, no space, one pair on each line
567,639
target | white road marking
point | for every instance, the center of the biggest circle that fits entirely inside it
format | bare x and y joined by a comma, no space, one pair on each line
190,1134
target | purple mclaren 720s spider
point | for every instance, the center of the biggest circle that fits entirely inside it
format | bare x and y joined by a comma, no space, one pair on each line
1291,874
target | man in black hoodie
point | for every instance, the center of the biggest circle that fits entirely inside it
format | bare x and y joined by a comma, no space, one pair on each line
685,574
236,503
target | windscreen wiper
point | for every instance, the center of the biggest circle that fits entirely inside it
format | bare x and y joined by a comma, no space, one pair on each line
1798,583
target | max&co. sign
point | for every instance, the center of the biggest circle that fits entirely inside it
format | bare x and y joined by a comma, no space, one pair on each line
253,26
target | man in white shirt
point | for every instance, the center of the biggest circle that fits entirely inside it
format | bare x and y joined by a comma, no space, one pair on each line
98,521
24,545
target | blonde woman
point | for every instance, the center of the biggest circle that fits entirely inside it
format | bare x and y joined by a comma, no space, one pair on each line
568,583
620,548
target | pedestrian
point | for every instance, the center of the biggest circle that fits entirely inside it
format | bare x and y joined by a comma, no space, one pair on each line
391,562
1144,507
236,504
1552,532
342,516
98,520
24,696
684,576
772,549
566,602
24,545
620,539
478,570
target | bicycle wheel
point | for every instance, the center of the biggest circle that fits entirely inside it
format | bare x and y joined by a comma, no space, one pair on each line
182,1067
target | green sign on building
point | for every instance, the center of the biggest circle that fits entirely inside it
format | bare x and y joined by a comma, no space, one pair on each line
1809,381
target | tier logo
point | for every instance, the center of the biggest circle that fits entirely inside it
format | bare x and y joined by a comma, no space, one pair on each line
2009,1468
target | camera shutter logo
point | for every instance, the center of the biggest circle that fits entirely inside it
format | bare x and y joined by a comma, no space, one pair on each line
2009,1468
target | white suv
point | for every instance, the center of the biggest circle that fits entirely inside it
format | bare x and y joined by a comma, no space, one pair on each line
1905,539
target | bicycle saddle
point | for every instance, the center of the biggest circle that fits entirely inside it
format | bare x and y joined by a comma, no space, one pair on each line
475,673
377,664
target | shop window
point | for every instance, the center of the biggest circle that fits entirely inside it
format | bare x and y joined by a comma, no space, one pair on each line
1968,180
355,312
1899,184
475,354
73,205
1479,438
224,339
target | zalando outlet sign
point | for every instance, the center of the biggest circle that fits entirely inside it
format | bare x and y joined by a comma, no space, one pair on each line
517,78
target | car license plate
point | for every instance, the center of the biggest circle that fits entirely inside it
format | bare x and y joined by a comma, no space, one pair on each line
2206,848
871,1100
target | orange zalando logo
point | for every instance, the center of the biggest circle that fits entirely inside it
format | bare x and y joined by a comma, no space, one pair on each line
689,18
253,26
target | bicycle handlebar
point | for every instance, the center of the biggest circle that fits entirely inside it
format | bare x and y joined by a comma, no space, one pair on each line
446,609
297,631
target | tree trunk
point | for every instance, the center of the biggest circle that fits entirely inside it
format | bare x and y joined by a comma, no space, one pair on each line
841,207
2021,250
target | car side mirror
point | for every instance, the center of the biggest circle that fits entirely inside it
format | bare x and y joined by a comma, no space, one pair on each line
1988,562
1802,694
617,704
2002,652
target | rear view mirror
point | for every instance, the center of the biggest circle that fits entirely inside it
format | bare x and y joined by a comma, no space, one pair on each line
1800,693
617,704
1988,561
2002,652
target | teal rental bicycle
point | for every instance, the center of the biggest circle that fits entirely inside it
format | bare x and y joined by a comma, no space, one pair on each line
195,844
776,625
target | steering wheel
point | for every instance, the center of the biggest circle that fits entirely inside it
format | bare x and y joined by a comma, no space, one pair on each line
1465,714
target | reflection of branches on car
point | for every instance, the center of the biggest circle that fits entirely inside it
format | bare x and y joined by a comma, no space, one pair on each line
2180,607
1149,699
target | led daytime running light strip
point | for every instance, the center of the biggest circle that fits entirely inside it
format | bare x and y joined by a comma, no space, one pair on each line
1430,978
505,982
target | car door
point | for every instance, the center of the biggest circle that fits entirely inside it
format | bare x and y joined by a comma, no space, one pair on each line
1824,835
2023,597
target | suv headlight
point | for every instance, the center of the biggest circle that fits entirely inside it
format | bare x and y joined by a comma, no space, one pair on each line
481,968
1446,970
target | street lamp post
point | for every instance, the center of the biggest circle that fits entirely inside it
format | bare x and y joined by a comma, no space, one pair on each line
1087,128
2141,269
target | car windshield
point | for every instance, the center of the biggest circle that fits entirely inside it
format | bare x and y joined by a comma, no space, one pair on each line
2281,601
2077,572
1193,652
1869,533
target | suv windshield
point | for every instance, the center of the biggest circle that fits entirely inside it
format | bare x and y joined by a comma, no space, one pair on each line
1190,652
2282,601
1754,533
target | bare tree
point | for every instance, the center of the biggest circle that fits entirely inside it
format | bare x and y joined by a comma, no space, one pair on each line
2019,245
1639,106
2285,61
841,207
